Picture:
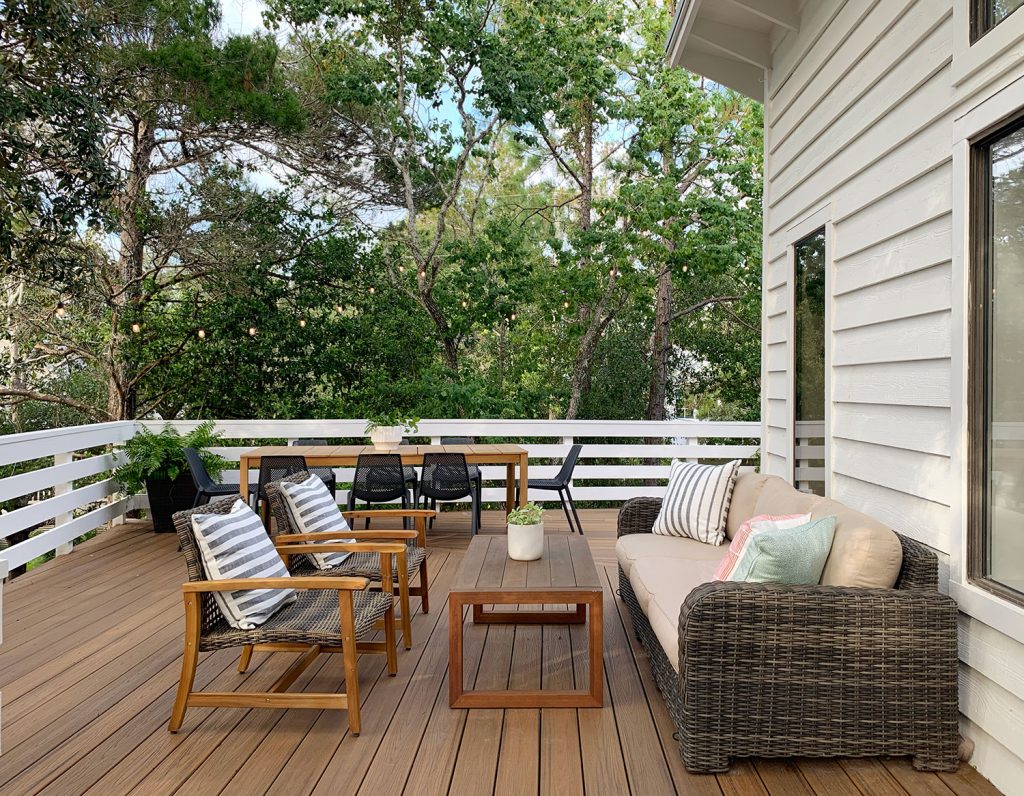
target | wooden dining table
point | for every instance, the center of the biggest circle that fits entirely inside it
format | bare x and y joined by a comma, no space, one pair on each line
512,456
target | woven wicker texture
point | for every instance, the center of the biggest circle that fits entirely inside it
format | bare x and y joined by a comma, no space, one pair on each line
769,670
311,619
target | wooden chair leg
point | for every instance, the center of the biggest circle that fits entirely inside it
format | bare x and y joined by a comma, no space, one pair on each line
424,588
403,600
389,641
243,661
349,655
189,661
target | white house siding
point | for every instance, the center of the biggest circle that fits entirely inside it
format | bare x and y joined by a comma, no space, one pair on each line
860,109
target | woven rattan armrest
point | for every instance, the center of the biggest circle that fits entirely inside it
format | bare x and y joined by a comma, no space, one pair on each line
383,536
237,584
637,515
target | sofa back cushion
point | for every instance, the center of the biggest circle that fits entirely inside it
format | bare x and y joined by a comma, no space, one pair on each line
779,497
744,500
865,553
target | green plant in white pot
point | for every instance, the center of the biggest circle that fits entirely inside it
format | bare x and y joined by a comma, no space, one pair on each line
526,533
386,430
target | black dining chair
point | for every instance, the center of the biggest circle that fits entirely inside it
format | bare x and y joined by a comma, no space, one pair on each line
206,487
379,478
445,478
474,471
275,468
325,474
560,484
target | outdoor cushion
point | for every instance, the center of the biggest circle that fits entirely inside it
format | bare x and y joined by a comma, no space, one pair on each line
762,523
794,556
780,497
696,501
632,546
236,545
865,553
661,586
313,510
744,499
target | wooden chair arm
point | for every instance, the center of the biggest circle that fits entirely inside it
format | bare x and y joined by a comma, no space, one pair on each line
342,547
375,513
236,584
289,538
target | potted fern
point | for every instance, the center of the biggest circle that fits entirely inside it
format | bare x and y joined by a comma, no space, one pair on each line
386,430
156,462
526,533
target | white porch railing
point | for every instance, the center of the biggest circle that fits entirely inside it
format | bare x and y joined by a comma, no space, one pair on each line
69,490
613,464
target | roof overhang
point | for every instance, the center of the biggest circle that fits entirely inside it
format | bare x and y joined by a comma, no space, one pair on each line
730,41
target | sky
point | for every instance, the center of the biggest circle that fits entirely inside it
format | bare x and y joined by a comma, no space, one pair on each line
241,16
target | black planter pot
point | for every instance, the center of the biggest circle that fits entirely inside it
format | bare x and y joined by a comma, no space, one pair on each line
166,497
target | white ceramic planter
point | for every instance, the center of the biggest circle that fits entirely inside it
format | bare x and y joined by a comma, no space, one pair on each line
526,542
386,438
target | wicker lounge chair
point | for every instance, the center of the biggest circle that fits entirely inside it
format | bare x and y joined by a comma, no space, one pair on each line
331,615
771,670
362,564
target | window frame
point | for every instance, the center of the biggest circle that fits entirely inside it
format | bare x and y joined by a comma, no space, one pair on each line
979,364
981,24
819,223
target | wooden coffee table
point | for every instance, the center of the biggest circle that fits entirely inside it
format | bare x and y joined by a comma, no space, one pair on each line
565,574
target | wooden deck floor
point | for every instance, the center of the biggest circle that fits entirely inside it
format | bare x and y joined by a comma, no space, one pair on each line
90,660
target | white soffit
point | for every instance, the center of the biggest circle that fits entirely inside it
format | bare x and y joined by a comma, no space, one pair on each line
730,41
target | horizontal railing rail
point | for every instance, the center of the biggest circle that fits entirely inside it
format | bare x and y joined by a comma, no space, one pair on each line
57,507
618,460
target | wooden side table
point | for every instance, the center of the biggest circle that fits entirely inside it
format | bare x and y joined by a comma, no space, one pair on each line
564,574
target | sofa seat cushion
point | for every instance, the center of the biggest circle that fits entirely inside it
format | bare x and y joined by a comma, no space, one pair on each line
632,546
865,553
661,585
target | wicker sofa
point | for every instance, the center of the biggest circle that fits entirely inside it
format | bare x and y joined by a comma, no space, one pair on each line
768,670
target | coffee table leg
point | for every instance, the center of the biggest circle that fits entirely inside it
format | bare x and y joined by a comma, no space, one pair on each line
596,648
454,649
510,488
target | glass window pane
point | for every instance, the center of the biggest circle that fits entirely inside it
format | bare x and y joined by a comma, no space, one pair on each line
809,378
1001,9
1004,546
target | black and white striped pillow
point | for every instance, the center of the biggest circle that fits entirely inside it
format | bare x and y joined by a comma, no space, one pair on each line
313,510
236,545
696,502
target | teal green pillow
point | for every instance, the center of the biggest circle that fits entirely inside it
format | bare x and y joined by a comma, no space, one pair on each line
794,555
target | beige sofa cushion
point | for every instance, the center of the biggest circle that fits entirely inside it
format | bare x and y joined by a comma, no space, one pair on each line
744,500
661,585
779,497
865,553
632,546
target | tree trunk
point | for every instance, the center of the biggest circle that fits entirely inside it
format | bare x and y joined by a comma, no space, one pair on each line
130,264
449,347
661,347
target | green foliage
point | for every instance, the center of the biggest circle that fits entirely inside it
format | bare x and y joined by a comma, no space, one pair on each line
161,456
530,514
409,425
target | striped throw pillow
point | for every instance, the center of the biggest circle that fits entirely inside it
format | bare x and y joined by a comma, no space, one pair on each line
696,502
313,510
755,525
236,545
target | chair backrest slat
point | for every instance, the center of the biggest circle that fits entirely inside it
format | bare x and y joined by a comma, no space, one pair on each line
565,473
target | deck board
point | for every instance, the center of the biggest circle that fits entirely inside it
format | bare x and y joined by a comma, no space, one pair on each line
91,657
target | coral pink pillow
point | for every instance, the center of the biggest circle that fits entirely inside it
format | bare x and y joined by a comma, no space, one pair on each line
759,524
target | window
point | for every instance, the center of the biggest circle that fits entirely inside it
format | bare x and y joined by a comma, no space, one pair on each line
809,362
986,14
996,367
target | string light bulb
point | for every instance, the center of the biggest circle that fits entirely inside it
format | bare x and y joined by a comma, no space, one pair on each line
423,274
565,304
201,334
512,317
686,268
464,304
372,290
302,322
339,309
136,328
252,331
61,311
401,269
